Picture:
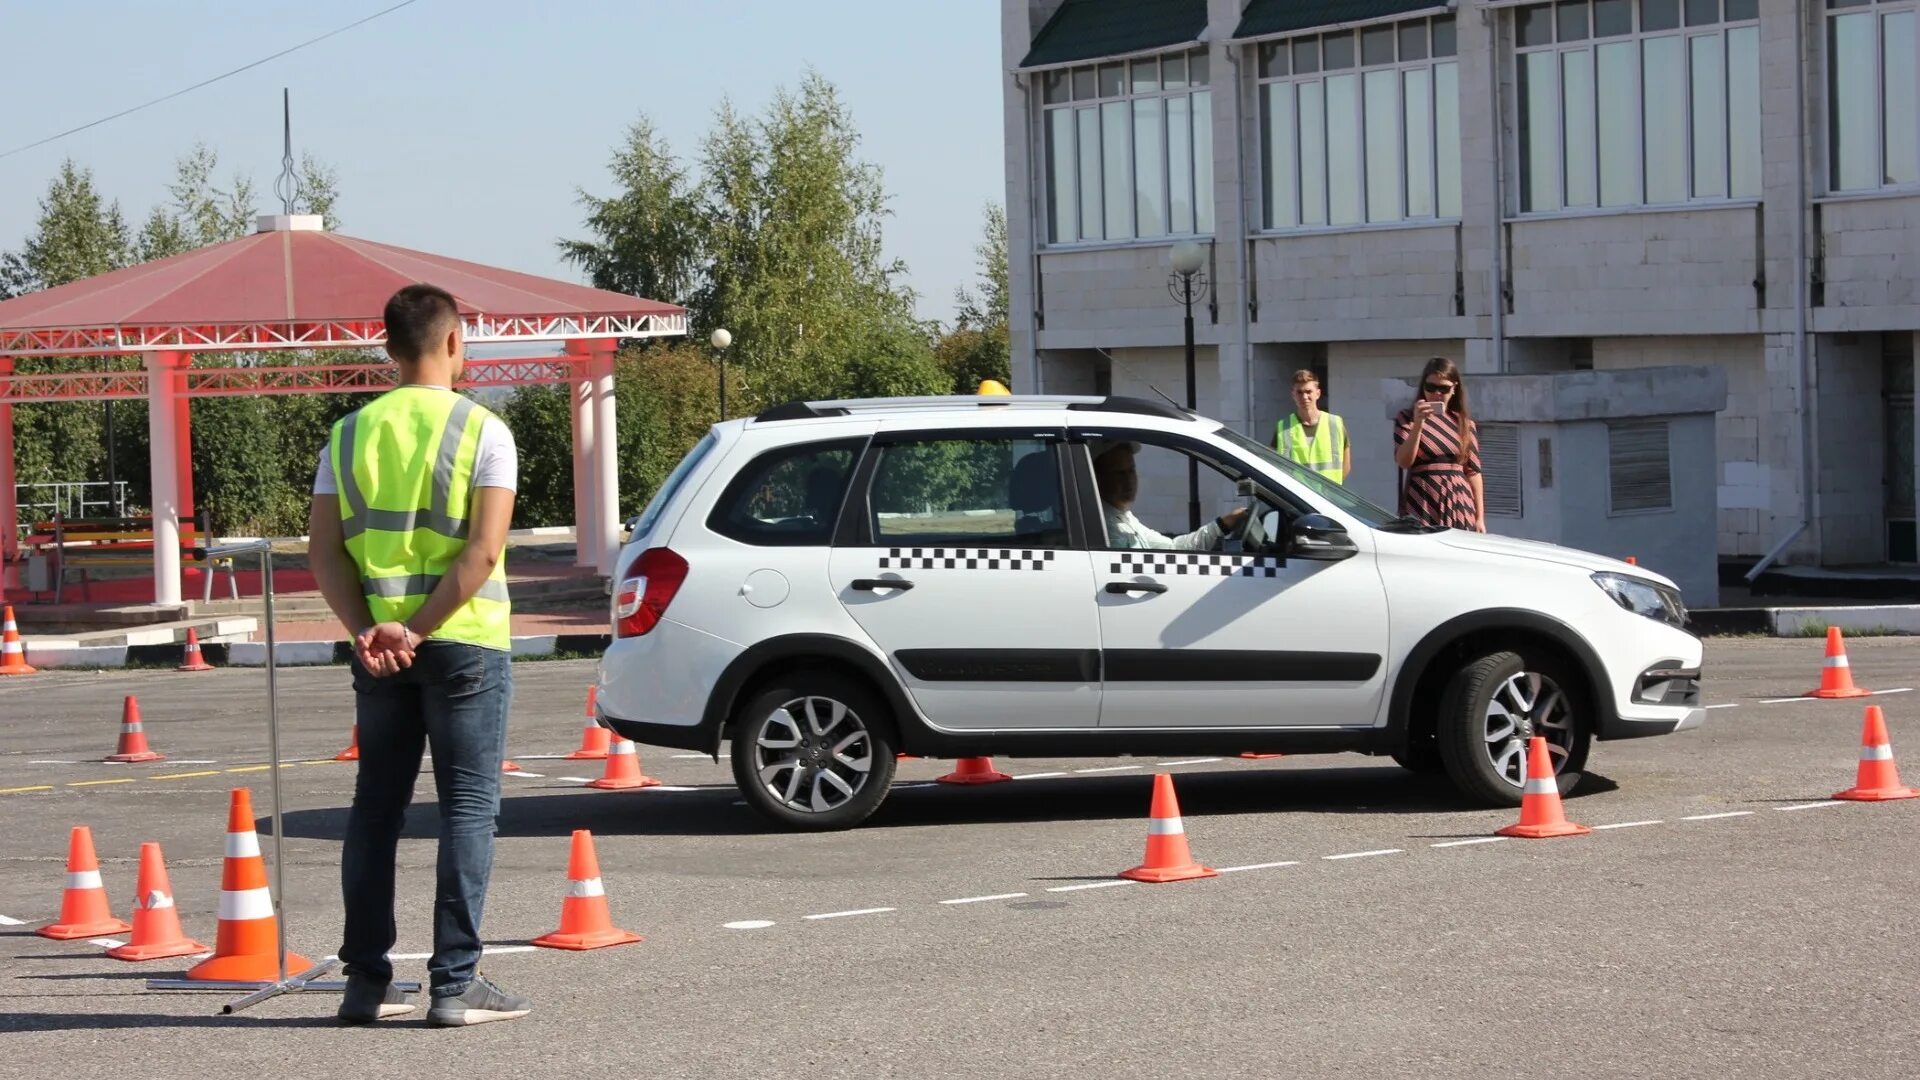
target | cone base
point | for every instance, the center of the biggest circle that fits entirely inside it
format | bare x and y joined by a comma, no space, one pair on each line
69,931
347,755
595,939
183,947
1159,875
245,968
605,784
989,777
1544,832
1879,794
586,755
508,766
21,670
194,667
135,759
1850,692
1260,757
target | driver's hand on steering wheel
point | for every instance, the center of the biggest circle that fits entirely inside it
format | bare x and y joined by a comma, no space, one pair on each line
1231,521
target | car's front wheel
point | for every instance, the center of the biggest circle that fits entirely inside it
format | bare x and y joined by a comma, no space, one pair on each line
813,750
1492,705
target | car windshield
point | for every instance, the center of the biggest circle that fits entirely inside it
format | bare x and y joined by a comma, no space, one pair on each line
1341,497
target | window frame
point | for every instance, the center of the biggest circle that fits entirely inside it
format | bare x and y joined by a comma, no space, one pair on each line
1359,70
855,527
1127,98
719,517
1591,44
1878,10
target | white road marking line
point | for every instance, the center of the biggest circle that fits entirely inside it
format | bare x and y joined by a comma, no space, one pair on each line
541,757
1627,825
8,920
748,924
53,762
1895,690
984,899
575,779
671,787
106,942
1366,854
485,950
1475,840
1258,866
1039,775
697,757
1716,817
1092,885
1733,706
1813,805
1189,761
844,914
1108,768
525,775
200,761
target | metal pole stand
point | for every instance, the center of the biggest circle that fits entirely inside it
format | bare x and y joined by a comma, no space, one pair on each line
306,980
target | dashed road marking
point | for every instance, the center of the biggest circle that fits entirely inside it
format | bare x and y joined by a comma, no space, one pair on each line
1812,805
24,790
106,942
53,762
697,757
984,899
1189,761
1627,825
1366,854
485,950
184,775
1092,885
1108,768
1717,817
575,779
748,924
1038,775
1474,840
845,914
1258,866
525,775
94,783
8,920
1732,706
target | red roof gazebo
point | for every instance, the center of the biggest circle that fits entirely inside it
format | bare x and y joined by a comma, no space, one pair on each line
291,285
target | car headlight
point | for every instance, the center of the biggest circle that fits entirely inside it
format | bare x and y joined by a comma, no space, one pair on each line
1643,597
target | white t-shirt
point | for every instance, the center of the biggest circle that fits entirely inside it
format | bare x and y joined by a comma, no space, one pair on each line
496,465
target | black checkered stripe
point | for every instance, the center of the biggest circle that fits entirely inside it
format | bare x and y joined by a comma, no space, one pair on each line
1194,564
965,559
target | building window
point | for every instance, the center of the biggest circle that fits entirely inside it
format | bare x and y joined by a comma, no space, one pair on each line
1873,125
1639,468
1637,102
1500,469
1129,149
1361,125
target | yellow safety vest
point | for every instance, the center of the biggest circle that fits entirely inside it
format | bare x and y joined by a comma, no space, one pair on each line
1324,452
403,466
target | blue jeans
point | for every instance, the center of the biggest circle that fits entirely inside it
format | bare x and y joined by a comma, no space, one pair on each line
455,699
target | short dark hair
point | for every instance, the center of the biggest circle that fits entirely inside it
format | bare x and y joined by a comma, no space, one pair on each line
415,316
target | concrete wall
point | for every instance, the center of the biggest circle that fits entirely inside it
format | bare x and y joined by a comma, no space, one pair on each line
1661,273
1671,542
1852,452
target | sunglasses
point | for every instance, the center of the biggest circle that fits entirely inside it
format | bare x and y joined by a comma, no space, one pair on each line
1435,388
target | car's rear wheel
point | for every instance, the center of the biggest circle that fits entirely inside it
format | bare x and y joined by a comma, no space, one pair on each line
1492,705
813,750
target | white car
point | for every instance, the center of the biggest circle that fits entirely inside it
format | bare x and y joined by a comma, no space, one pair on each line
829,584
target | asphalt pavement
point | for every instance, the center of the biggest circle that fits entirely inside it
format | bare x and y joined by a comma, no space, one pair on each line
1726,917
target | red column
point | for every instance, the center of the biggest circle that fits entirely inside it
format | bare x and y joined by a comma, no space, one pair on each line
183,428
9,511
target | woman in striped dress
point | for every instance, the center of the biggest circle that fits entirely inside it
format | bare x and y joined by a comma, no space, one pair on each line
1435,443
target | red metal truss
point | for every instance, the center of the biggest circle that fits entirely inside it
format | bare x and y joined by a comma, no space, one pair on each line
335,334
316,379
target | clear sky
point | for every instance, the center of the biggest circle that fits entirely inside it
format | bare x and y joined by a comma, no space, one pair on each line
464,127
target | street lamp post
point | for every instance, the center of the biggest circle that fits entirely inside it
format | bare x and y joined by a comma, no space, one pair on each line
1187,283
720,339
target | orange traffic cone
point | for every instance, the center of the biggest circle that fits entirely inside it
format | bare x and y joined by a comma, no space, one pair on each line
1167,856
1540,812
1252,756
156,924
249,930
133,736
1631,561
974,770
584,920
594,739
1879,778
193,660
623,768
13,654
1836,678
352,752
507,765
84,911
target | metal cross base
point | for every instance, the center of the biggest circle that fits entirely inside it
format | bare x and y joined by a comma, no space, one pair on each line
306,980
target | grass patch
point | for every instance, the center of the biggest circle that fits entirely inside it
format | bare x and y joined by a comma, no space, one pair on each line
1820,631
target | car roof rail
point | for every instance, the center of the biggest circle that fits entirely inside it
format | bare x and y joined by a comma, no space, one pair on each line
797,410
812,410
1137,406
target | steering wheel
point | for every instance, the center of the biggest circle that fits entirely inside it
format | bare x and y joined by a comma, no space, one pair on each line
1249,535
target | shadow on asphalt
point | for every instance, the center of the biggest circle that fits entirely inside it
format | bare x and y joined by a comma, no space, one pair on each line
713,811
94,1021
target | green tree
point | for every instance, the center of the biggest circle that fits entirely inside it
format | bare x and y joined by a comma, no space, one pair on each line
648,233
977,347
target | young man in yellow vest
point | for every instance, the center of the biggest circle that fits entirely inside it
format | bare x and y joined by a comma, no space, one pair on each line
1315,439
411,505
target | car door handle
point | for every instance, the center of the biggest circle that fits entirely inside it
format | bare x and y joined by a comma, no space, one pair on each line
1135,586
868,584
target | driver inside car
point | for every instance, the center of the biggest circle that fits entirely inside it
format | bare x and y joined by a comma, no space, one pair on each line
1119,483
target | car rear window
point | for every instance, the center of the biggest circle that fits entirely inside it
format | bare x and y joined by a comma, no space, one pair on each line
651,515
788,497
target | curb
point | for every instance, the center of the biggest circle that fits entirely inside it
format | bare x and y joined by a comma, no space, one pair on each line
253,654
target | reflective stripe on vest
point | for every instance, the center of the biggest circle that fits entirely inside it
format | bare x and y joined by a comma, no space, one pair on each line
1323,452
403,466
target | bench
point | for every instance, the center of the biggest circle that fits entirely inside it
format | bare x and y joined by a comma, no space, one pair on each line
81,543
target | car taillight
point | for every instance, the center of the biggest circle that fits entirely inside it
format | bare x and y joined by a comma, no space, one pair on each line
645,591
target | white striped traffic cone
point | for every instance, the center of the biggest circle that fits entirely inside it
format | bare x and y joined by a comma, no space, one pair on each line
13,653
249,930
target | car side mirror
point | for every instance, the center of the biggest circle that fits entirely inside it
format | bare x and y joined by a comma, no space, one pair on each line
1319,538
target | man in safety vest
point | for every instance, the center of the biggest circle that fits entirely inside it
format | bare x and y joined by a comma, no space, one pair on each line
408,529
1315,439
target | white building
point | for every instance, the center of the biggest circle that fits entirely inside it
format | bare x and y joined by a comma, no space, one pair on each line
1635,180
